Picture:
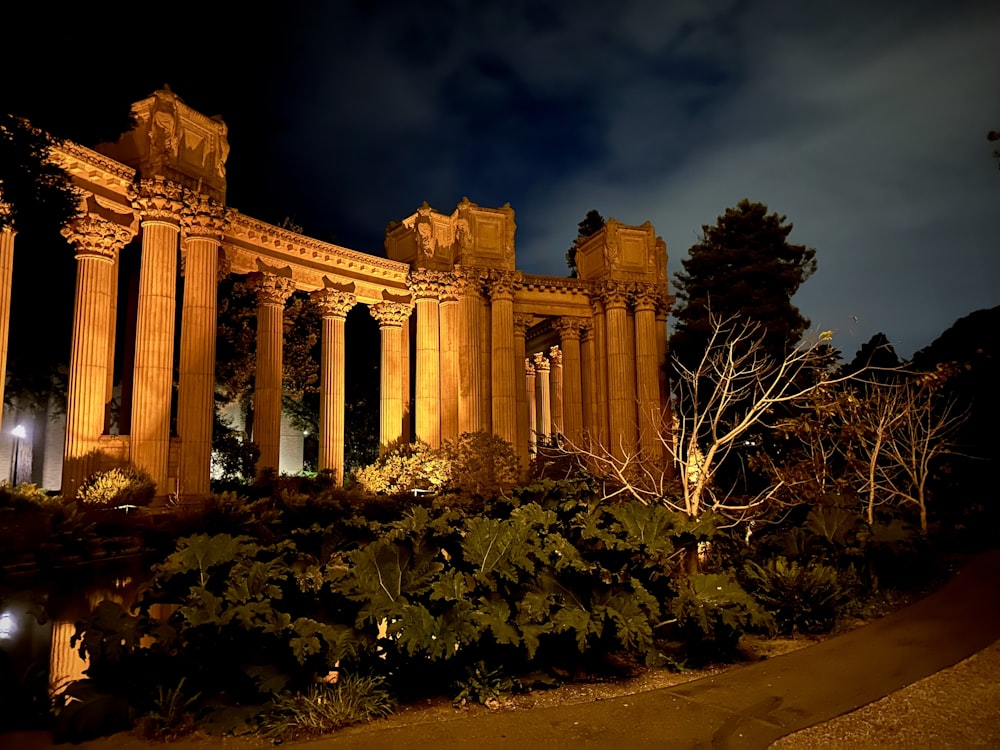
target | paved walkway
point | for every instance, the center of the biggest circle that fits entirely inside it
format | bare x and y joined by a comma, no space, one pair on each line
748,707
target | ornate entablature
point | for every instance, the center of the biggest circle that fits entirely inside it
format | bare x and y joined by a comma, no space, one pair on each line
623,253
174,141
472,236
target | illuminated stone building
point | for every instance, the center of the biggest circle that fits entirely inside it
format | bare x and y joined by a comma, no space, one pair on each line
468,342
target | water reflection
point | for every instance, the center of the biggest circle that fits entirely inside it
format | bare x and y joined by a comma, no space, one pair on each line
37,623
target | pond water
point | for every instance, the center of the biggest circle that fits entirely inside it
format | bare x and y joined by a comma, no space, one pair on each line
38,617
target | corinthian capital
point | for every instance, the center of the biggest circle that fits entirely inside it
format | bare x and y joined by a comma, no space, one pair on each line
521,324
569,328
644,297
541,364
390,314
203,217
503,284
157,199
271,288
333,303
95,236
425,284
614,294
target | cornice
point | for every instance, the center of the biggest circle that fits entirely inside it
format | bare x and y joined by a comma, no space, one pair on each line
89,166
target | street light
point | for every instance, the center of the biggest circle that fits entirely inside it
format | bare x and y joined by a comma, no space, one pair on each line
19,434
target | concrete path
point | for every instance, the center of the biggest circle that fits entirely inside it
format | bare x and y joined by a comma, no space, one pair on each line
748,707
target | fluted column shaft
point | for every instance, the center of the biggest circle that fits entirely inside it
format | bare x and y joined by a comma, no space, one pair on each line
524,424
556,385
272,293
97,243
392,318
505,371
485,315
572,380
159,203
647,378
601,374
621,404
6,278
449,337
587,377
199,308
333,304
662,353
543,399
425,286
529,381
470,390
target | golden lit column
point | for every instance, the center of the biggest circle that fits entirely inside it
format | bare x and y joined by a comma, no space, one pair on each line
600,433
572,383
587,377
450,324
647,373
425,286
543,399
621,374
404,345
203,223
272,293
6,278
485,361
524,425
470,386
97,242
664,301
529,392
392,318
505,370
333,305
556,385
159,203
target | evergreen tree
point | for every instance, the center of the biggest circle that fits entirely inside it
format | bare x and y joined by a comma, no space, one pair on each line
591,224
742,269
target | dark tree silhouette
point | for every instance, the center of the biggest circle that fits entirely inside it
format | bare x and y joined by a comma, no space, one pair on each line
743,269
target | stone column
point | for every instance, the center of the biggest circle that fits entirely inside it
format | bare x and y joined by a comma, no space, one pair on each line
450,325
524,424
529,391
505,371
621,379
556,384
6,277
333,304
97,242
392,318
572,380
587,379
470,387
272,293
404,345
203,223
647,375
485,364
600,433
425,286
663,304
543,397
159,204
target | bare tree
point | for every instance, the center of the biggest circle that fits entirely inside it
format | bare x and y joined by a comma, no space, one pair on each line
735,389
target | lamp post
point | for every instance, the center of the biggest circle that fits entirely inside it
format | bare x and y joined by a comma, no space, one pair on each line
19,434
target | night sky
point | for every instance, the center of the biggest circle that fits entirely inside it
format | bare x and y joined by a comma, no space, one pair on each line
863,122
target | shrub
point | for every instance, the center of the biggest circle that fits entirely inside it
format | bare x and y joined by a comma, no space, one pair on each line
481,464
406,467
122,485
801,598
325,708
